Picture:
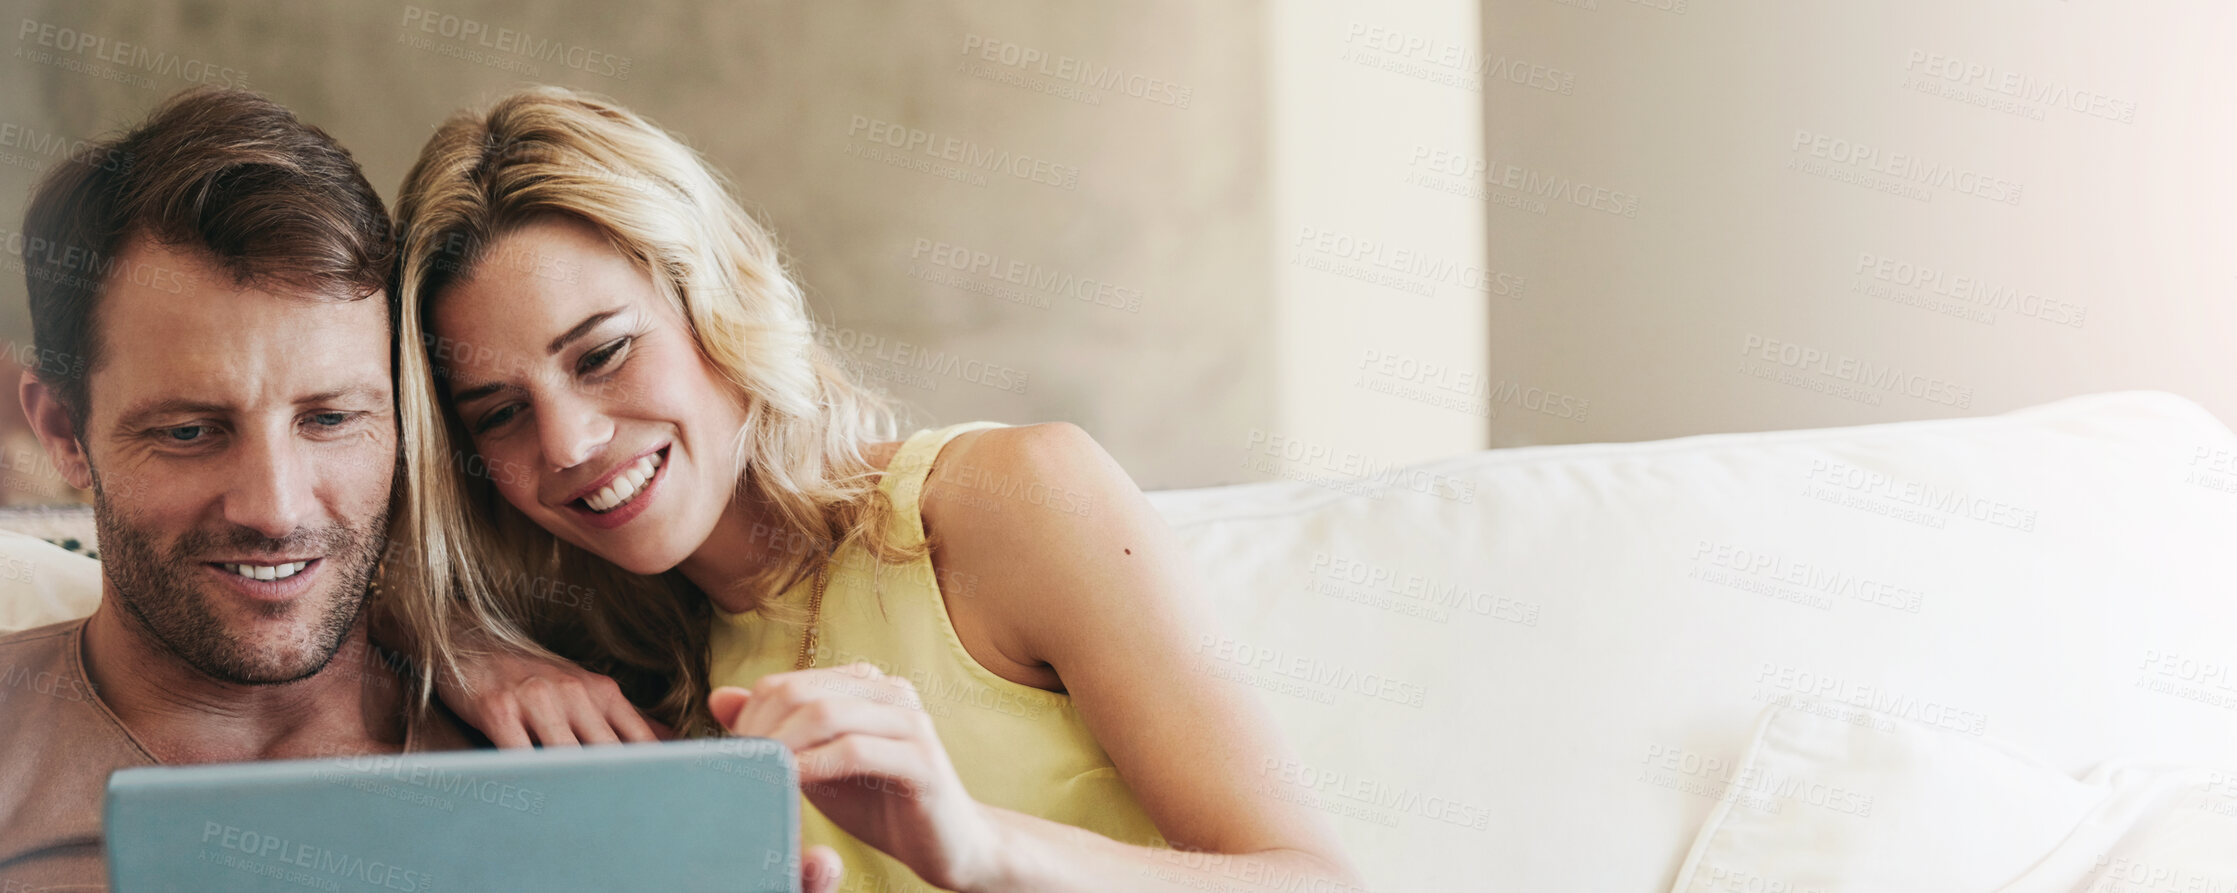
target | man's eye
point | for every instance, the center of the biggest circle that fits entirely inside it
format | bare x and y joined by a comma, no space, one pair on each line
186,433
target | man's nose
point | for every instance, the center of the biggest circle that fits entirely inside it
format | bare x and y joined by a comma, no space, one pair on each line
272,487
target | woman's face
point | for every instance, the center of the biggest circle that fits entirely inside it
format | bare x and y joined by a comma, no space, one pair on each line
593,410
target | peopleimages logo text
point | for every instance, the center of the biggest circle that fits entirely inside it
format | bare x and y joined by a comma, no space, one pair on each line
969,154
1973,290
1906,168
2020,86
1843,367
129,56
514,43
1506,175
1476,65
1069,70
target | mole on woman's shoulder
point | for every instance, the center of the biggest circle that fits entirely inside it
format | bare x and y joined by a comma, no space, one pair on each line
1130,551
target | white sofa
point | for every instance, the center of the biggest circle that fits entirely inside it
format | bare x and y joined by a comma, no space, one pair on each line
2079,603
1535,669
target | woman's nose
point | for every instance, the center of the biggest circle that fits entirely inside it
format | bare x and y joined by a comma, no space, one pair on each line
572,430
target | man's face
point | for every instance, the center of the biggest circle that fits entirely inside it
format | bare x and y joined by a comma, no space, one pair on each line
242,445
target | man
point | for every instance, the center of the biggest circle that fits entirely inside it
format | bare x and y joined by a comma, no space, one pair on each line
209,300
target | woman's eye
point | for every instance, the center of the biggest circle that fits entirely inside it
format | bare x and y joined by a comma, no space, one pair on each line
496,417
329,419
600,358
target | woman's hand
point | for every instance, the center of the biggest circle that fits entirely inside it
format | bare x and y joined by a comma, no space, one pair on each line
871,763
820,870
522,700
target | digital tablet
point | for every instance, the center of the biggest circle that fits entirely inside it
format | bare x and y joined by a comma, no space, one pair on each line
719,814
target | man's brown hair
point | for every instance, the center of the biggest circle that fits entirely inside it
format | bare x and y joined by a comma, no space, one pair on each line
227,172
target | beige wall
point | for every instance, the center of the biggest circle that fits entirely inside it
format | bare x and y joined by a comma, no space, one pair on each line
2082,241
1342,236
1148,197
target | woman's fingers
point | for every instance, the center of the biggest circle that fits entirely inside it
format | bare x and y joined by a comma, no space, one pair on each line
579,709
586,708
813,723
857,755
627,723
603,715
505,728
839,722
775,698
820,870
870,759
726,703
552,734
509,736
520,700
837,737
547,720
591,726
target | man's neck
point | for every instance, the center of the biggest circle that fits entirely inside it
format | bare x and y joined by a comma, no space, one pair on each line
353,705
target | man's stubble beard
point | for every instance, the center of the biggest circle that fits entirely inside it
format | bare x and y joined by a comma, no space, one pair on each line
161,591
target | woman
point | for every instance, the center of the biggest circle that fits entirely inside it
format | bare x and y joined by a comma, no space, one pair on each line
976,639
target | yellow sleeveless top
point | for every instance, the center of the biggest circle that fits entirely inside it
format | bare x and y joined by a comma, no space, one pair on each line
1015,746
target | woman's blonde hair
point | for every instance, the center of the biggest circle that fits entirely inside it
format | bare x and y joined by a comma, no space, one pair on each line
483,567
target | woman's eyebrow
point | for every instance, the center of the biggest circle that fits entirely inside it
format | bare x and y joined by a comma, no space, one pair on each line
477,392
582,328
471,394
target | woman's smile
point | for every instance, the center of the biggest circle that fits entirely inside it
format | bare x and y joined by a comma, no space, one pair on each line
623,493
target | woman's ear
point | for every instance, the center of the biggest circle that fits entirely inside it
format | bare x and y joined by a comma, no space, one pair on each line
51,423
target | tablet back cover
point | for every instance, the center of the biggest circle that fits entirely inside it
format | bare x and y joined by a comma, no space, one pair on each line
677,816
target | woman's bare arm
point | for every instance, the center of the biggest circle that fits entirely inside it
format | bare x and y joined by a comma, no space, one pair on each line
1074,570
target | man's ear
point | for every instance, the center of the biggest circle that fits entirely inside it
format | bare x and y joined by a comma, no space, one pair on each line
50,421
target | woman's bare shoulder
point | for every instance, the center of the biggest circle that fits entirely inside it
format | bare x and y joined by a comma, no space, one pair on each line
1018,472
1009,512
880,454
989,452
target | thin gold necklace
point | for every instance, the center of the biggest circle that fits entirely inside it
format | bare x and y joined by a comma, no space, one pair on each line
808,640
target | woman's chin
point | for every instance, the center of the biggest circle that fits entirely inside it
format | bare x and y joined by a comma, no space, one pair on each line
642,562
622,550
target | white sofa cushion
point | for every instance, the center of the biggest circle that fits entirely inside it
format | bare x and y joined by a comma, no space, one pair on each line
1535,688
41,583
1828,806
